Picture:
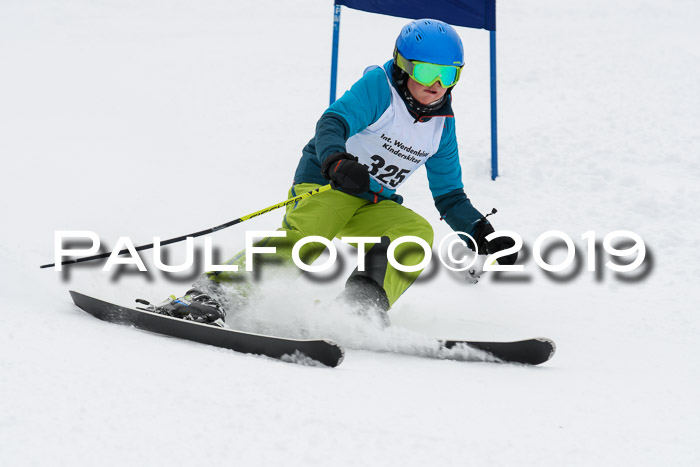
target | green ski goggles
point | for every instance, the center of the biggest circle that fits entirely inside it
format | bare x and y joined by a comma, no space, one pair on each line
428,73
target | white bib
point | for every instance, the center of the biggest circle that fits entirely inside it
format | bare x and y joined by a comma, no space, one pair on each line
394,146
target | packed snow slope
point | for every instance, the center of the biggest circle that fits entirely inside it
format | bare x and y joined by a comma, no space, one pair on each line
157,118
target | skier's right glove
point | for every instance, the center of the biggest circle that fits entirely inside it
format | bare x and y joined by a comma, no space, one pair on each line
485,247
344,172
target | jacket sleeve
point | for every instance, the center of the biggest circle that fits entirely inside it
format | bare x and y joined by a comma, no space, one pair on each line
445,180
331,134
459,213
357,109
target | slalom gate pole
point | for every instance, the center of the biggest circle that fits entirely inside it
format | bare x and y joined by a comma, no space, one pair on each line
334,53
170,241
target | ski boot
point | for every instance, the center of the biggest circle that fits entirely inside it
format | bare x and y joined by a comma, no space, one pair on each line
367,298
193,306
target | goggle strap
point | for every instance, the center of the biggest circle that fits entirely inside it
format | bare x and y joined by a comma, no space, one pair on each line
403,63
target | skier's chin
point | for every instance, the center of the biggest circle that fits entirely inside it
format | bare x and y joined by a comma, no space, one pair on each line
430,98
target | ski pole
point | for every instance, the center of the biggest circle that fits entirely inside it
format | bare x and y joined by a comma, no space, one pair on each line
282,204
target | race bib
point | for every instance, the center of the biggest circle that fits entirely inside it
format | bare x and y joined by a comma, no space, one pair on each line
394,146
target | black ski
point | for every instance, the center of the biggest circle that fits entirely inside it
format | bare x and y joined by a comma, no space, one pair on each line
323,351
528,352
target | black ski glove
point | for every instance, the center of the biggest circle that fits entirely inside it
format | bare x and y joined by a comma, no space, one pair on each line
344,172
497,244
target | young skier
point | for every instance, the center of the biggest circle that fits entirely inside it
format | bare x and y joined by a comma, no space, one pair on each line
392,121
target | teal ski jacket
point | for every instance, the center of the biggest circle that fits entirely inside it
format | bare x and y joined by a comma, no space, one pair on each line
357,109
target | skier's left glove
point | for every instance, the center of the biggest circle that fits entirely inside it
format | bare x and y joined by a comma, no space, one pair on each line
486,247
344,172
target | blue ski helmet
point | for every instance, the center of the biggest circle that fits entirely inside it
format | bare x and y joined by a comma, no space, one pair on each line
431,41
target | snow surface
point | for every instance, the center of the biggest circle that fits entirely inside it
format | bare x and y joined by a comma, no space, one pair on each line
158,118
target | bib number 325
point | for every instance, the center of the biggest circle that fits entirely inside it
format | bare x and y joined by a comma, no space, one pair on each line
391,175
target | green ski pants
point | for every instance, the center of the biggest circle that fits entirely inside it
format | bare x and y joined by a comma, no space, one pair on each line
334,214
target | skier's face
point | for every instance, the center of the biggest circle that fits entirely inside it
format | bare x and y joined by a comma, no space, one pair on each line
426,94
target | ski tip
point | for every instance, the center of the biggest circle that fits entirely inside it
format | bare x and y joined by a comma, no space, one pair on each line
341,351
551,346
551,343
